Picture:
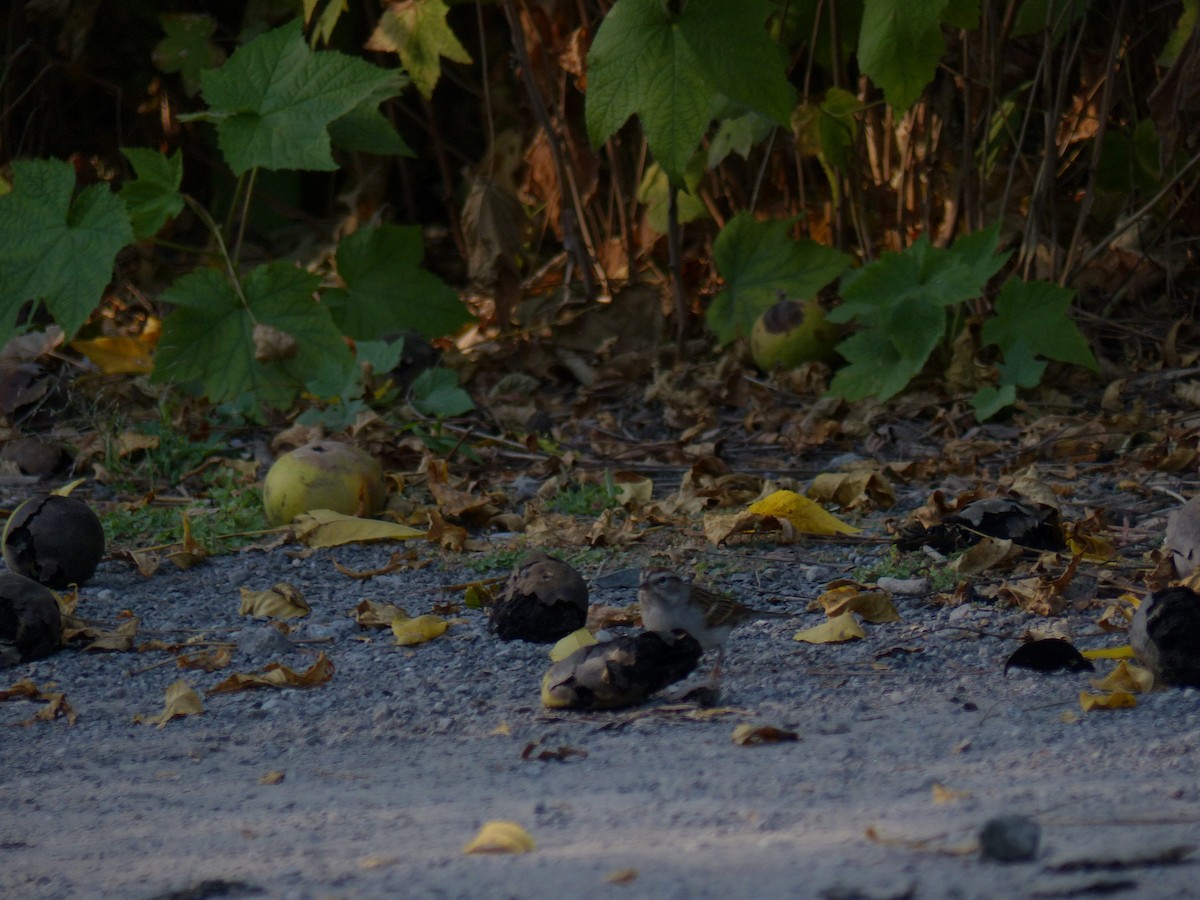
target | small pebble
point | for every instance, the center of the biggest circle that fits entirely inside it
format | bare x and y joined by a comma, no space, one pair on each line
1010,838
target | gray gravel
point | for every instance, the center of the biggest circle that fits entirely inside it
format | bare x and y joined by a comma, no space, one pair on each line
391,767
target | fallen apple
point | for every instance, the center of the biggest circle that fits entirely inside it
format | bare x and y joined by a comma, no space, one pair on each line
30,621
793,332
57,541
323,475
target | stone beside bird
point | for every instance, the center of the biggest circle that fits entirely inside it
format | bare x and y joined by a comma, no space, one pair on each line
668,602
1165,635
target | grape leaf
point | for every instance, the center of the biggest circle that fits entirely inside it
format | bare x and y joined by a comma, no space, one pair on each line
886,357
387,290
153,197
668,68
416,30
187,48
1035,313
275,98
435,392
366,129
900,45
208,344
55,249
758,260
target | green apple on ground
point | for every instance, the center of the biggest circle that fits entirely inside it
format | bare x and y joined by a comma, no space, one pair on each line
323,475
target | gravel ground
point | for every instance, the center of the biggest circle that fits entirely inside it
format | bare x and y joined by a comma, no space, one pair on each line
393,765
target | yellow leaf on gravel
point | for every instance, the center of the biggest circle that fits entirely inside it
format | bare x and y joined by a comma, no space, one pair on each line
326,528
500,836
569,644
418,630
1115,700
181,701
874,606
804,515
852,489
283,601
277,675
1126,677
841,628
987,553
369,614
1122,652
943,796
751,735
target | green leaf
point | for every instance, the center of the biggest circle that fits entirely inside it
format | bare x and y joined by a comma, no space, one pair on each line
737,135
153,197
435,392
187,48
367,130
208,343
275,98
323,31
668,68
1035,312
989,400
654,194
1020,367
386,288
54,249
900,45
418,32
758,261
883,359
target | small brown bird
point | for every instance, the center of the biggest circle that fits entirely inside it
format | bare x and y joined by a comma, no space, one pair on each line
1165,635
668,603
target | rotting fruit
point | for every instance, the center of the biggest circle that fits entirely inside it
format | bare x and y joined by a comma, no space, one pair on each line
57,541
323,475
793,332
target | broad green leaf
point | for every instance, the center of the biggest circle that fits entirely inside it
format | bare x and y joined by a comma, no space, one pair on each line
275,98
1036,312
1180,33
435,392
54,249
668,67
885,357
654,194
187,48
1020,367
759,261
990,400
977,251
738,135
386,288
418,32
208,340
153,197
366,129
900,45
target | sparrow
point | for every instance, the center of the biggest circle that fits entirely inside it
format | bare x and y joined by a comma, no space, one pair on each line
668,602
1165,635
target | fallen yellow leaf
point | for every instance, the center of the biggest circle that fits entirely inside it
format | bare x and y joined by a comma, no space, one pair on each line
181,700
1122,652
419,630
1115,700
120,355
272,778
943,796
500,836
841,628
874,606
326,528
278,675
804,515
569,644
747,734
1126,677
369,614
987,553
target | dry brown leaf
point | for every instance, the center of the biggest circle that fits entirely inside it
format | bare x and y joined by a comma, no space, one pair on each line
852,490
283,601
750,735
988,553
206,660
277,675
447,536
622,876
274,777
181,700
1127,677
272,345
943,796
119,640
369,614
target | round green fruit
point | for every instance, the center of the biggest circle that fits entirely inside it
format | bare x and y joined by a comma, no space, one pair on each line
793,332
57,541
323,475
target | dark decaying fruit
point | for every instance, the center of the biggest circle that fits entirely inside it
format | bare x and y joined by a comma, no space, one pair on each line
56,541
30,622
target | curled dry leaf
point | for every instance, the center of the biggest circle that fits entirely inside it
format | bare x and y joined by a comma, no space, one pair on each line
283,601
277,675
206,660
120,640
851,490
840,628
369,614
1126,677
849,597
501,836
181,700
988,553
751,735
534,750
